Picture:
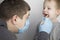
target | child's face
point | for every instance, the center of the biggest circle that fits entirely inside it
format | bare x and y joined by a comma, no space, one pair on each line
49,9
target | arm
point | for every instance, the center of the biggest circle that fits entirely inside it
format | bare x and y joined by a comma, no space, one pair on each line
41,36
44,30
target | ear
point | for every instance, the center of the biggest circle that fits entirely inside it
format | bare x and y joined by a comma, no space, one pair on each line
14,19
58,12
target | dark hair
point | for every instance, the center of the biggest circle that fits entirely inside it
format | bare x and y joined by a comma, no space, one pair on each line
9,8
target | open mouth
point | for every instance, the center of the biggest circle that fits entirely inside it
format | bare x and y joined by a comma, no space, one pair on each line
45,15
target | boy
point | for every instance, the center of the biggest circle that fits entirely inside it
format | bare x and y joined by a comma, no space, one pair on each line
13,16
50,25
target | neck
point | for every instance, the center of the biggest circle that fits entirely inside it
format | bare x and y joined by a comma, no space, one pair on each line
54,20
11,27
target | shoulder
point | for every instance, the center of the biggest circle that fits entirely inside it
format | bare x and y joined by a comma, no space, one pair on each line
41,36
55,33
5,34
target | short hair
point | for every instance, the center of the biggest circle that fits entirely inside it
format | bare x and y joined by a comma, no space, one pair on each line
9,8
57,3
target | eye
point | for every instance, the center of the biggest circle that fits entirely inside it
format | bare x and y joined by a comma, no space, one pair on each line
43,7
49,8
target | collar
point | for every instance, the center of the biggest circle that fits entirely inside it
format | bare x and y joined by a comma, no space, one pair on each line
3,23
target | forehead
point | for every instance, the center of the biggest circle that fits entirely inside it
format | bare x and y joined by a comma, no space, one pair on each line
49,4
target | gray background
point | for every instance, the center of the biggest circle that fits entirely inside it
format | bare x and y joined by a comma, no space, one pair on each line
35,18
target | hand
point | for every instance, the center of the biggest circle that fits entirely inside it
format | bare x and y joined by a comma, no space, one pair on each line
46,26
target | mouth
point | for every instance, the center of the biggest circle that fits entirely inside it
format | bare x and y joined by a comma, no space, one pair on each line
45,15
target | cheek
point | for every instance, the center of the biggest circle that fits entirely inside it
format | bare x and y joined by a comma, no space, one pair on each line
25,17
19,23
52,14
51,11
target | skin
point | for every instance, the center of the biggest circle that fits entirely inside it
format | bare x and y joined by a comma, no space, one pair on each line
51,10
16,20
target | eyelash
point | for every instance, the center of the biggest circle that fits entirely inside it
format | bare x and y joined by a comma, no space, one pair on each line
49,8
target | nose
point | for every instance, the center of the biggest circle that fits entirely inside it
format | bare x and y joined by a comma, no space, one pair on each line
29,14
45,12
44,9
